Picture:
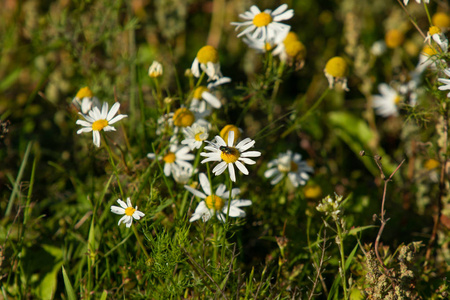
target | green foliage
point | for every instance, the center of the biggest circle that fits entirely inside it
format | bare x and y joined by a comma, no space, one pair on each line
367,216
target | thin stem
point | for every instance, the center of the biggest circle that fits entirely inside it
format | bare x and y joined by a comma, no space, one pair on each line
341,250
138,238
111,159
428,13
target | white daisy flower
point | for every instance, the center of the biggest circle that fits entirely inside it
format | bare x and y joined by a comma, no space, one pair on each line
386,104
195,136
262,46
445,81
228,155
289,164
177,157
203,97
85,100
216,202
436,34
207,60
128,211
264,25
100,120
418,1
155,70
183,174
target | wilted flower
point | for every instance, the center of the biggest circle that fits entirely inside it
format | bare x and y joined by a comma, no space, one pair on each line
203,96
336,72
85,100
177,157
155,70
207,60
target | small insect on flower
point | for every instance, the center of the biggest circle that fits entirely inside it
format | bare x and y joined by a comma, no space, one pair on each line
225,149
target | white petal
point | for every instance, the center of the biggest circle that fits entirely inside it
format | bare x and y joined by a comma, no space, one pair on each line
96,138
241,167
231,170
113,111
117,118
117,210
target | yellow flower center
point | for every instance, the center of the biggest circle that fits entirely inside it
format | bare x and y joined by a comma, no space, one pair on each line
441,20
267,47
262,19
207,54
429,51
227,129
336,67
230,155
431,164
199,91
99,125
295,49
394,38
129,211
312,191
84,92
433,30
183,117
290,37
169,158
397,99
214,202
197,136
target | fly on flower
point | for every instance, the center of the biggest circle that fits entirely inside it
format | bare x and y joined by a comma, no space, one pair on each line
229,155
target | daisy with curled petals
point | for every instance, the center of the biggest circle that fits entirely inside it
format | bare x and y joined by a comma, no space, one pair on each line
386,104
203,96
291,165
98,120
216,203
229,155
207,60
195,136
264,25
436,34
177,157
85,100
128,211
446,82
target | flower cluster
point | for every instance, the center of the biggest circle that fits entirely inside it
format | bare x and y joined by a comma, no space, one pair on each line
330,206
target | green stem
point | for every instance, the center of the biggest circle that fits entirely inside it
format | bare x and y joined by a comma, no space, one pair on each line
341,250
111,159
138,238
428,13
306,114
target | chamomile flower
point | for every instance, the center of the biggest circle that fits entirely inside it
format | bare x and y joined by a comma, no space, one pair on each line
336,72
386,104
98,120
203,96
394,38
263,46
445,81
195,136
291,165
264,25
229,155
227,129
207,60
183,174
436,34
85,100
291,49
155,70
441,20
418,1
175,158
128,211
216,203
